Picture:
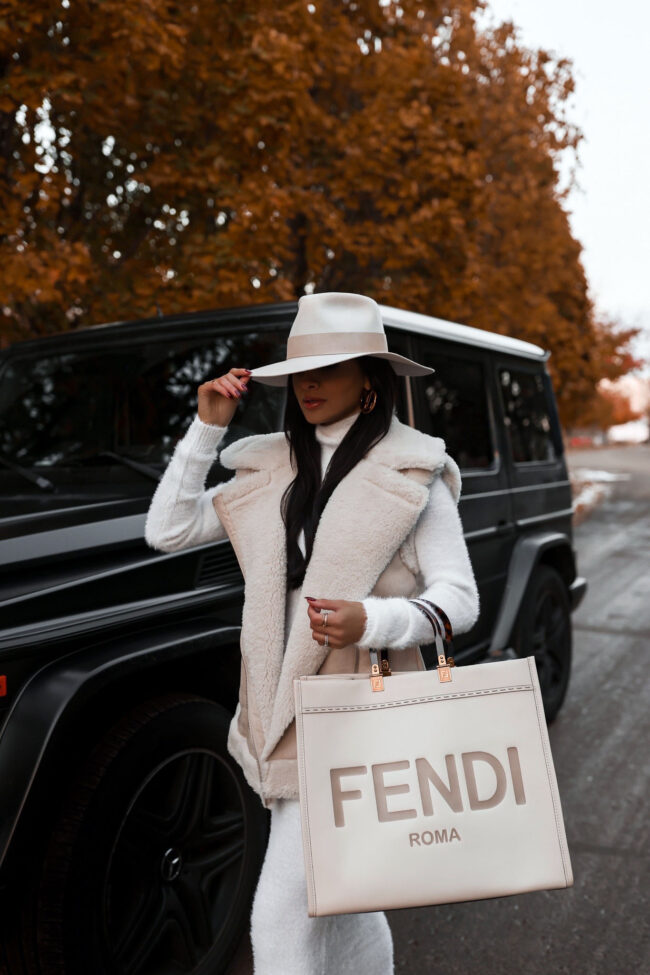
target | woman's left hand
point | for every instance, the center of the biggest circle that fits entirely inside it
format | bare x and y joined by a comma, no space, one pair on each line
346,621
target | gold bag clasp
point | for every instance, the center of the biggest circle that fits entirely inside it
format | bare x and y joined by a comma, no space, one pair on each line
444,668
376,679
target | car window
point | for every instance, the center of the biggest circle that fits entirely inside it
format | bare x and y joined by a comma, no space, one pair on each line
160,400
136,400
398,341
456,406
526,415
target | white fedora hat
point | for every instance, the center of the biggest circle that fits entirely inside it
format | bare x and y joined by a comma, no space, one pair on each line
331,327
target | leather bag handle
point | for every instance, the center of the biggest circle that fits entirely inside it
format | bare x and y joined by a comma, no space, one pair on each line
442,634
449,635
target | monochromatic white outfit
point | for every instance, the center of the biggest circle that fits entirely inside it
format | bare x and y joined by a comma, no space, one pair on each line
286,941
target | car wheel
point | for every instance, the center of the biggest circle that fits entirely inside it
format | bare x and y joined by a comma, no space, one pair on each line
543,631
153,862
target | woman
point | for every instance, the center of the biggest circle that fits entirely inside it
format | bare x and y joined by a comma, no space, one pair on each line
352,510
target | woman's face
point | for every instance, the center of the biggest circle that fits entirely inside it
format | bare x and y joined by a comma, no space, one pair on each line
331,392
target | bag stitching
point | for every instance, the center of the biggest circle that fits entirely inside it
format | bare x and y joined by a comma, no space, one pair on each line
315,709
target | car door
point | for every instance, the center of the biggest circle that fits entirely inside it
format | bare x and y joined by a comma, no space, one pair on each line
540,488
457,403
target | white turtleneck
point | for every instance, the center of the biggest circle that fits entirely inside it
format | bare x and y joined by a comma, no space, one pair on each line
329,436
181,515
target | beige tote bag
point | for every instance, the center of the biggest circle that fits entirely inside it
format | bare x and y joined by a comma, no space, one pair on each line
437,786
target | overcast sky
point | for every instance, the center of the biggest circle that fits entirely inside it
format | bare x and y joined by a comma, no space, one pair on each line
610,208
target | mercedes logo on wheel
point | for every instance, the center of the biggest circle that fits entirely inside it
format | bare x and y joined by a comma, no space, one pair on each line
171,864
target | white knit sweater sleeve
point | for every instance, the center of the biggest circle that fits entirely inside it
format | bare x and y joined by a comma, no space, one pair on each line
448,580
181,513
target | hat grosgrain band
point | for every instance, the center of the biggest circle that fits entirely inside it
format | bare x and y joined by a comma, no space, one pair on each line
355,342
332,327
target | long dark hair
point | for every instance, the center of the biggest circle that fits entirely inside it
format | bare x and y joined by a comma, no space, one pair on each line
305,497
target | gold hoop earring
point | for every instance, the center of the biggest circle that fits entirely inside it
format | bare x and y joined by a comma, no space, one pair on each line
368,401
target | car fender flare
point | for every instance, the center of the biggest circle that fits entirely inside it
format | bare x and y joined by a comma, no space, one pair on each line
46,697
526,555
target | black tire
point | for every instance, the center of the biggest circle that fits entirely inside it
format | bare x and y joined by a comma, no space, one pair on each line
543,630
154,859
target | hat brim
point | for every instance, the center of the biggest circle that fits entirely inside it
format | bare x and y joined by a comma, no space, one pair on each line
277,373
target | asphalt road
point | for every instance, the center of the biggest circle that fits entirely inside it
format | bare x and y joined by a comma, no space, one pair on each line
600,745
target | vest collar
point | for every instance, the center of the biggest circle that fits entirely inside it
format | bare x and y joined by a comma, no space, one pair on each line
367,517
403,447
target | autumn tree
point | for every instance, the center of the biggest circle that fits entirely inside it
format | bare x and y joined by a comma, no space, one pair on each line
177,157
609,407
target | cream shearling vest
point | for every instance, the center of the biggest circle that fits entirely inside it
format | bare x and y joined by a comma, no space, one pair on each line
355,554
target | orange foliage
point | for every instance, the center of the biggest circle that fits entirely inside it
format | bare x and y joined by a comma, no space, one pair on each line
188,156
608,408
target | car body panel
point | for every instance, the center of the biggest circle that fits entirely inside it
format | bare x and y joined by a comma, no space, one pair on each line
67,683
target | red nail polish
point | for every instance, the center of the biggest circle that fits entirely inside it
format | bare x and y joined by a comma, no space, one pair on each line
312,599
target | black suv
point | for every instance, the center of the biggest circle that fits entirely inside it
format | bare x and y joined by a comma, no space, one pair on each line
129,841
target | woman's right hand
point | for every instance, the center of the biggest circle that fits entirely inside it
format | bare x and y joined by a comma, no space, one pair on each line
218,398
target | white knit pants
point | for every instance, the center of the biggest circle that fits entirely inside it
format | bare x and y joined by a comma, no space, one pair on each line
286,941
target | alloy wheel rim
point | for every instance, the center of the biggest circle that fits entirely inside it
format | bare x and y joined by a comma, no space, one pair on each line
549,645
175,867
